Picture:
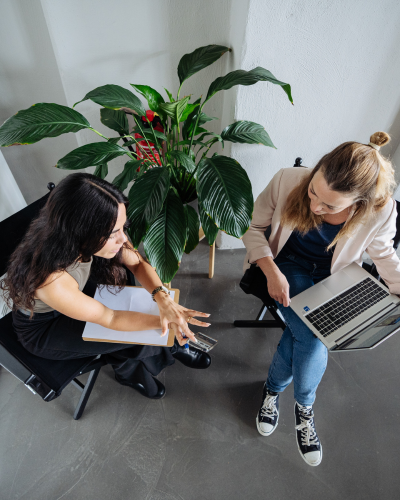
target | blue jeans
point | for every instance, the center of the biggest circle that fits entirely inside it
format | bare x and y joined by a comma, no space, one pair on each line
300,355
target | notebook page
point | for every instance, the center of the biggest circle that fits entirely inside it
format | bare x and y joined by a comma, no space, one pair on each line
128,299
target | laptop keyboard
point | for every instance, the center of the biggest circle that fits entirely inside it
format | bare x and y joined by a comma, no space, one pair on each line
346,306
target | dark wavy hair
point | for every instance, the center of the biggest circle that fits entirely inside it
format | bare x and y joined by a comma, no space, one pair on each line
76,221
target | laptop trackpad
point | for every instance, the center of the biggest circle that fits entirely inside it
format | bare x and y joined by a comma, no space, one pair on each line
338,282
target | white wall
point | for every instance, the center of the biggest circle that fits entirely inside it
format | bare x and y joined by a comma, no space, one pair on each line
11,199
29,74
342,60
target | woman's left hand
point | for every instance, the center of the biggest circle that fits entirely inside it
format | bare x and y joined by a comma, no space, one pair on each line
171,312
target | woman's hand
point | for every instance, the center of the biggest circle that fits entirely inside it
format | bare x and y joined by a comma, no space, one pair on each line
179,335
179,317
278,287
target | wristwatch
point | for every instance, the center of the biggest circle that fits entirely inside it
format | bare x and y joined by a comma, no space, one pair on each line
159,289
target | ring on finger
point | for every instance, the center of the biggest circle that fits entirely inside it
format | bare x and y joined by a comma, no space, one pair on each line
189,319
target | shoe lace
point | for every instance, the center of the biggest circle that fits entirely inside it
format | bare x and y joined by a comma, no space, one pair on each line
308,433
268,408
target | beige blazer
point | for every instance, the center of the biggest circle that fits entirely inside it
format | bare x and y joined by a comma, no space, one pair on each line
374,237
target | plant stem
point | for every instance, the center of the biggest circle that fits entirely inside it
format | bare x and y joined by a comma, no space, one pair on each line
179,91
137,123
156,143
195,126
98,133
129,147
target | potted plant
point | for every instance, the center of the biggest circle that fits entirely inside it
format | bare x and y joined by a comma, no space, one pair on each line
183,170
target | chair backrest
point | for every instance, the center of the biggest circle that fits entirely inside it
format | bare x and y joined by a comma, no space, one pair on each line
14,228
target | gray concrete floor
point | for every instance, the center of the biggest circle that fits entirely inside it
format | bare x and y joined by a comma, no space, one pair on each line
201,442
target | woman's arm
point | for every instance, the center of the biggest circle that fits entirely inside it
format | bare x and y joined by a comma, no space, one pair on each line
257,244
170,311
384,255
255,241
61,292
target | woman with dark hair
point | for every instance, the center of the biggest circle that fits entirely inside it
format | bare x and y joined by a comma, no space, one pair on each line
80,232
320,221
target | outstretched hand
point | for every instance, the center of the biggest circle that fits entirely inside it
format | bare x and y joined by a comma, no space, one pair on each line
179,318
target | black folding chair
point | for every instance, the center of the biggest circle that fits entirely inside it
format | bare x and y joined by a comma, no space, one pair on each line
44,377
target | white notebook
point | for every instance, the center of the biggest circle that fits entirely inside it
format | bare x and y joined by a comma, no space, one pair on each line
131,298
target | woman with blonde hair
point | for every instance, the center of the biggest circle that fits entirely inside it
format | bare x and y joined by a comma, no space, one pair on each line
320,221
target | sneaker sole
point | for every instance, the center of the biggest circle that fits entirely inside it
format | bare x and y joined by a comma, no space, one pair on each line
266,433
301,454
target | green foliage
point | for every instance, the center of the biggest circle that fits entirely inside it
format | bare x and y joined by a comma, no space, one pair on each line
209,227
184,160
115,120
146,198
90,155
114,97
225,193
39,121
175,110
101,171
242,77
154,99
158,195
193,226
129,173
199,59
165,240
247,133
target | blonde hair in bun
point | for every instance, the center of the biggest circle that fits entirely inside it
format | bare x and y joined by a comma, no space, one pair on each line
380,138
357,170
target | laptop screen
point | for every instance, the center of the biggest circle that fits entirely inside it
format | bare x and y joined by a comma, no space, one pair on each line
375,333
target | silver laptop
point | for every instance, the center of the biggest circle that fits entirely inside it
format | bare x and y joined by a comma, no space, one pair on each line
349,311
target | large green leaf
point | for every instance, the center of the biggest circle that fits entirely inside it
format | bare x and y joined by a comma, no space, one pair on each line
39,121
247,133
115,120
242,77
115,97
175,109
90,155
209,227
188,110
146,198
189,119
225,193
154,99
184,160
199,59
165,240
128,174
193,226
101,171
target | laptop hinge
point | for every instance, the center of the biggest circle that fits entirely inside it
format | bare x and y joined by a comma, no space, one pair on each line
368,322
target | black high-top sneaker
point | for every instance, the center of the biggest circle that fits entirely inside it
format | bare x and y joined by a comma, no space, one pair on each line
268,416
308,443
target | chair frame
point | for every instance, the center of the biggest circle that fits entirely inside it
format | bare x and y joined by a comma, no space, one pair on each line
36,385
